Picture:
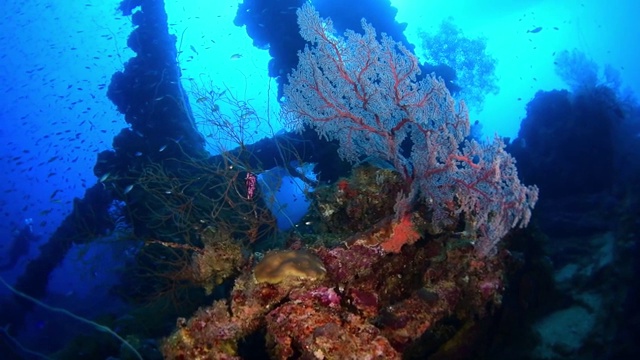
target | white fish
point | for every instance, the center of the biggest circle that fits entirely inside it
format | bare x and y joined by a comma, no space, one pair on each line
128,188
104,177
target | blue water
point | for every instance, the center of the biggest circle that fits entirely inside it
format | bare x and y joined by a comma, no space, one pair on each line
58,57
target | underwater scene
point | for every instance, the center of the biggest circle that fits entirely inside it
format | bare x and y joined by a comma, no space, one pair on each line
319,179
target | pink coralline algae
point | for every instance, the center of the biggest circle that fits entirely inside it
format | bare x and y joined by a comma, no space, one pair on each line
307,327
345,265
326,296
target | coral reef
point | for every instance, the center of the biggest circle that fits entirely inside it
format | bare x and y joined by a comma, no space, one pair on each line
364,298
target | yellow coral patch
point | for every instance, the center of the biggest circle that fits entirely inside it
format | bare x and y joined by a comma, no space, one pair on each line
292,264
